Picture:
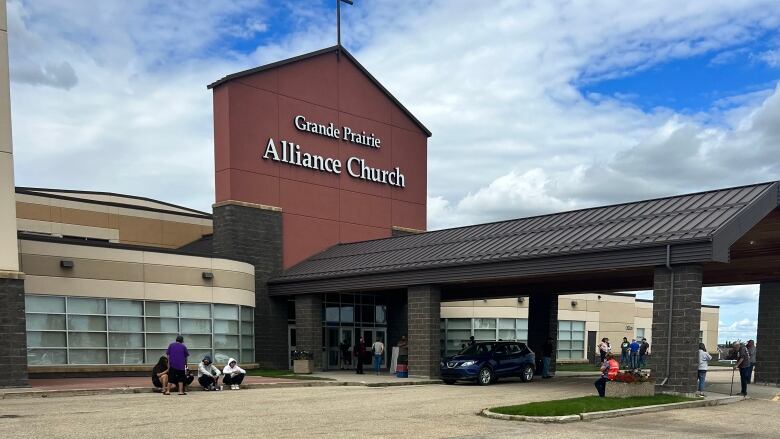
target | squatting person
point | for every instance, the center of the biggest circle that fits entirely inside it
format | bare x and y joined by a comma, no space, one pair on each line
234,375
208,374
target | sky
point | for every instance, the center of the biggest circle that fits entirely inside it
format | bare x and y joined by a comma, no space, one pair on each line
535,106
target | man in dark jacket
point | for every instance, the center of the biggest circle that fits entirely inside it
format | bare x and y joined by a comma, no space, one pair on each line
360,353
743,364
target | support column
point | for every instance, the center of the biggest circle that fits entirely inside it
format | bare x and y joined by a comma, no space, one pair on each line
308,326
768,358
397,319
13,349
542,323
685,327
424,304
13,336
253,234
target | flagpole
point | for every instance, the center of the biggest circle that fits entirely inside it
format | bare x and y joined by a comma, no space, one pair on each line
338,30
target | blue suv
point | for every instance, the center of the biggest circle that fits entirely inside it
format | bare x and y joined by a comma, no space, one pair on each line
486,362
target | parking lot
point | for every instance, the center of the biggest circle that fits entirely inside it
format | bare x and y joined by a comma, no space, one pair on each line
428,411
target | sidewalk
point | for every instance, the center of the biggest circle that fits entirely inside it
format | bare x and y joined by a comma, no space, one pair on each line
44,388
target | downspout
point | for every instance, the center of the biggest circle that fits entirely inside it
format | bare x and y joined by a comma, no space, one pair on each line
671,305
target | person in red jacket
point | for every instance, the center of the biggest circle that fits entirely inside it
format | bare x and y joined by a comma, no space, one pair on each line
609,370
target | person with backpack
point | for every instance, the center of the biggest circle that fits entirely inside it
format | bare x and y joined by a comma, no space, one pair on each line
704,358
609,370
379,350
624,351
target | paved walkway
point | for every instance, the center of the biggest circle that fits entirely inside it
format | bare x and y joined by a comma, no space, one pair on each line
434,411
370,378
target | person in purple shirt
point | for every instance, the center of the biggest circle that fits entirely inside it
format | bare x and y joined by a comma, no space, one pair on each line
177,363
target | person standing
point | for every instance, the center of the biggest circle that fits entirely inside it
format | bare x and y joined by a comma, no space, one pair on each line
624,353
360,353
704,358
344,350
751,347
379,350
603,349
633,354
471,341
208,374
547,351
743,364
644,351
234,375
403,351
177,354
609,370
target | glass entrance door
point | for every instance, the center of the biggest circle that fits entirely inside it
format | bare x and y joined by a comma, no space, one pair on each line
332,350
371,335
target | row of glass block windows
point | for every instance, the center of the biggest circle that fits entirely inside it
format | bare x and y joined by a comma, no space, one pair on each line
455,334
75,330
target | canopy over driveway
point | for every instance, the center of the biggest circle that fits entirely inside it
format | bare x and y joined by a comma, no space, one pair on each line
720,237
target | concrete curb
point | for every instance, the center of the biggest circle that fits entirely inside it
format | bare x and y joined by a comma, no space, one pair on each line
613,413
133,390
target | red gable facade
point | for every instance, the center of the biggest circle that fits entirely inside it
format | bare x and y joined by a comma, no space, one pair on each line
320,139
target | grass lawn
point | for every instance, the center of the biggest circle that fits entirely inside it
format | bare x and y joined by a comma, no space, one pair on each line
280,373
573,367
585,404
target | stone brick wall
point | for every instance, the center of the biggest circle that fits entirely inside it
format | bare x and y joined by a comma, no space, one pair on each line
767,356
254,235
308,326
424,314
686,318
542,323
13,348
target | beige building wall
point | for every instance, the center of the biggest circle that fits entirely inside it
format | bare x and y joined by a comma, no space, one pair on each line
132,274
609,315
165,227
9,256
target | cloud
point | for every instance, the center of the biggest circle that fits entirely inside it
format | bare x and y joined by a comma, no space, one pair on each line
731,295
58,76
743,330
770,57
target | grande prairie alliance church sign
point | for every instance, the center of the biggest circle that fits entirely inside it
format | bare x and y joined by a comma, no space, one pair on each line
290,153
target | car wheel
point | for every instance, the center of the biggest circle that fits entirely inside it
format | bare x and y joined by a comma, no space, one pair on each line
485,376
527,374
449,382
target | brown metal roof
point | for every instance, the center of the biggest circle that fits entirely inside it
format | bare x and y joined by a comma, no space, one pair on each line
718,215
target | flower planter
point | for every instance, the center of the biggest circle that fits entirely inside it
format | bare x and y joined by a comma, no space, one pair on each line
303,366
617,389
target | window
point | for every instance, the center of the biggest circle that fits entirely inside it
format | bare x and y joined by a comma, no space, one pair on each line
571,340
80,330
640,332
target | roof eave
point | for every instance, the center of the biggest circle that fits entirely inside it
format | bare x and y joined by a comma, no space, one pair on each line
750,215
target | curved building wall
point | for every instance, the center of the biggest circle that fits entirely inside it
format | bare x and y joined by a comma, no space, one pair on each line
88,304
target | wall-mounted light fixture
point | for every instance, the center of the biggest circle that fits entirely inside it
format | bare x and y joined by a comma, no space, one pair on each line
520,299
208,275
573,303
599,296
66,263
